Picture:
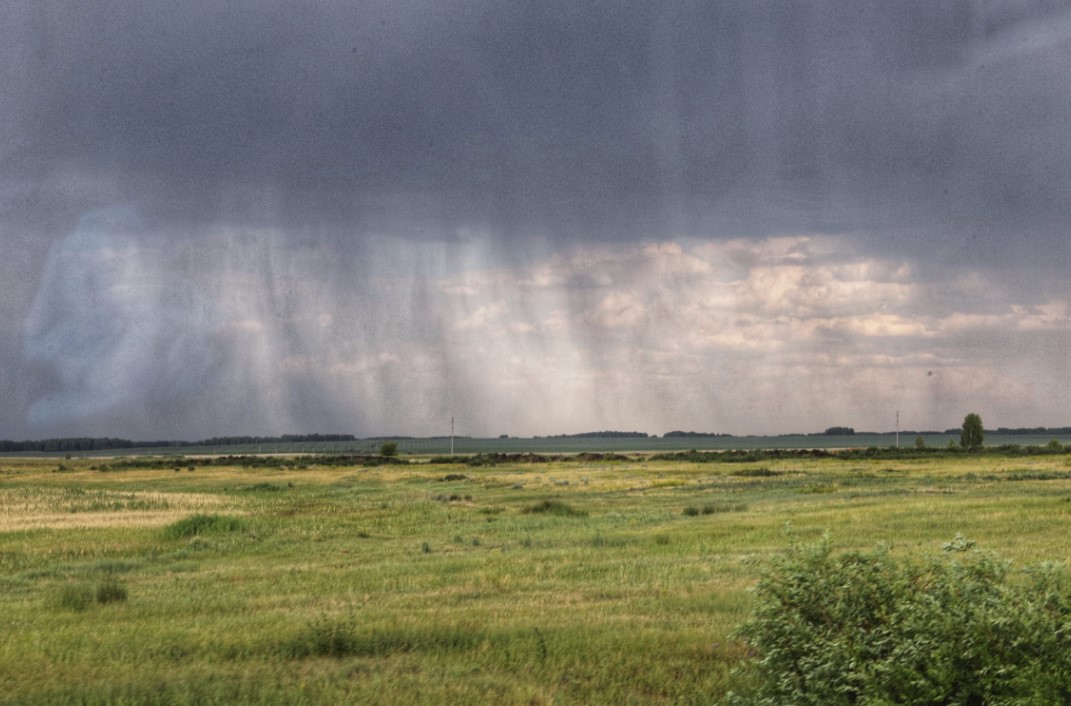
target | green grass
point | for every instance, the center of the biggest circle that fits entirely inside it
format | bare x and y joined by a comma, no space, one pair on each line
576,583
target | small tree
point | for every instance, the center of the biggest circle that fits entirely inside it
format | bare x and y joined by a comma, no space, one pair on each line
920,443
972,434
388,448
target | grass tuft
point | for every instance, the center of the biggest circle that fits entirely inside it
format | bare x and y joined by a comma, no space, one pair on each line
323,637
75,597
714,508
554,507
454,476
340,637
760,472
266,487
111,591
202,524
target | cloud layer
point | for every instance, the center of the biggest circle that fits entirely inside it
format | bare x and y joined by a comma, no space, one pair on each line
740,336
546,216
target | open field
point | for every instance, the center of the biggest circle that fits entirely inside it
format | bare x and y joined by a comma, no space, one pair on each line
577,583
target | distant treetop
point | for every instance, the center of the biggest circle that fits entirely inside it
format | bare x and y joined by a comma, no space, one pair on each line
600,435
693,434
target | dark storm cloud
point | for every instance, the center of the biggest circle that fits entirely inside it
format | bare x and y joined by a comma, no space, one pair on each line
253,212
596,119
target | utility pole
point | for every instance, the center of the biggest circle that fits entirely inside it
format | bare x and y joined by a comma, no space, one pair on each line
451,436
897,428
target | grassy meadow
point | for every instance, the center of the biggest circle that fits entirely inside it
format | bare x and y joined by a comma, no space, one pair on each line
581,582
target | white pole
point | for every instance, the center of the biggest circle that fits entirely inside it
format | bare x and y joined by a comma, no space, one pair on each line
451,436
897,428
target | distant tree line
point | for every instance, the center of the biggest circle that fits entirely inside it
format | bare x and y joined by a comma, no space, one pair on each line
1033,430
694,434
73,444
284,439
1020,431
106,443
418,438
598,435
839,431
61,445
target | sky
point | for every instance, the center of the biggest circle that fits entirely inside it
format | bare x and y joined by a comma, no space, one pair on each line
747,217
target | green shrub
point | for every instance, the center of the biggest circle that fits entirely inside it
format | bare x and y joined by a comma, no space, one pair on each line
818,488
324,637
713,508
760,472
111,591
263,486
75,596
554,507
340,637
201,524
867,628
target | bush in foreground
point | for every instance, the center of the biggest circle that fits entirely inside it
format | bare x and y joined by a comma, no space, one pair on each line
868,628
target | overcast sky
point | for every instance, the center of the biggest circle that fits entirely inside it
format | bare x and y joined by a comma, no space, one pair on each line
541,217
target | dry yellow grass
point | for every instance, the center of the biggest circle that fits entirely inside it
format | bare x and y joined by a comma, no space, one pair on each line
48,508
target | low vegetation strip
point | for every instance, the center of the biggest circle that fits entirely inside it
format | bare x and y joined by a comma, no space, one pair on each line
890,453
495,459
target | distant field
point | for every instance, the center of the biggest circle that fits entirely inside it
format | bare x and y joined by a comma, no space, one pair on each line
573,445
564,583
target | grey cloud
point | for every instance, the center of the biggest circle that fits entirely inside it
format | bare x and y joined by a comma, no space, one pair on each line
598,120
